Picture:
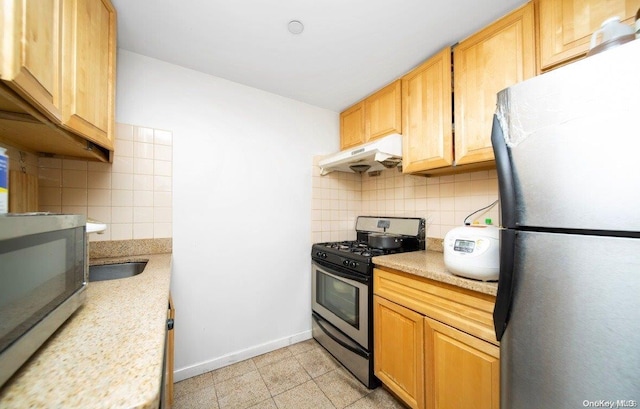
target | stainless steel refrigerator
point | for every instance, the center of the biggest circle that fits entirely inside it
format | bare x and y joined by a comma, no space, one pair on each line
567,147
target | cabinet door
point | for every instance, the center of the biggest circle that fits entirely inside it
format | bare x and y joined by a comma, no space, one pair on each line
352,126
89,37
493,59
426,97
398,350
30,52
566,26
462,371
383,112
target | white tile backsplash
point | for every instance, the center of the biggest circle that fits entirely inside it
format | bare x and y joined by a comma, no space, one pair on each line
121,197
161,137
162,152
99,197
143,166
124,148
162,168
122,181
143,150
443,201
122,214
99,180
120,231
72,196
122,164
143,214
162,199
132,195
141,134
73,164
50,196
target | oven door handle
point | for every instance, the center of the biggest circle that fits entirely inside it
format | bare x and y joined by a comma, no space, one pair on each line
338,271
338,340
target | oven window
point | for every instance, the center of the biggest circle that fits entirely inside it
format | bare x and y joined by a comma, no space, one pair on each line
339,297
37,273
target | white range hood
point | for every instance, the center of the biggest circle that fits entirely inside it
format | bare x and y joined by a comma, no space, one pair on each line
377,155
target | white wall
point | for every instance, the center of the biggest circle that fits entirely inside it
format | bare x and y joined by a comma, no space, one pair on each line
241,202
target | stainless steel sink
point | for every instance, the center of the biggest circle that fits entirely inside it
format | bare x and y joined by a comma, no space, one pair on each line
115,271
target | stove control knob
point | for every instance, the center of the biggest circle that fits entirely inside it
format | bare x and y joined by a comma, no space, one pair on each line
353,264
346,263
324,255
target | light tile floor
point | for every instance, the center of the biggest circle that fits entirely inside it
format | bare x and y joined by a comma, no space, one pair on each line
300,376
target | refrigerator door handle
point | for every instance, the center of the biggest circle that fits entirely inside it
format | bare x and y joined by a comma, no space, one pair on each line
502,309
505,175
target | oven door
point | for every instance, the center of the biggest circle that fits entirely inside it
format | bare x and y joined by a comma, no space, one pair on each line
342,298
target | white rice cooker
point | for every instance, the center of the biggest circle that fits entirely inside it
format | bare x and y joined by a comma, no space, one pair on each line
473,252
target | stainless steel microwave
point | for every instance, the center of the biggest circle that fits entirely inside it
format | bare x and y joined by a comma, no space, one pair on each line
43,276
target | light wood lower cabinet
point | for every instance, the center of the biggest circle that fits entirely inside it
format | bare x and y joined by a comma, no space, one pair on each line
434,345
399,356
462,371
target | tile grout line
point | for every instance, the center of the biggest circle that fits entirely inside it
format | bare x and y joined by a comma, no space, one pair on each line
325,395
216,390
316,383
300,363
273,363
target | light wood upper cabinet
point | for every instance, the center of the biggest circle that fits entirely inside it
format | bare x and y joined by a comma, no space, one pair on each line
565,26
463,371
382,112
398,352
500,55
57,72
427,140
496,57
30,52
89,38
352,126
376,116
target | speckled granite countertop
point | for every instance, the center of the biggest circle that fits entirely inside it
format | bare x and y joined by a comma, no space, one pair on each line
109,353
430,264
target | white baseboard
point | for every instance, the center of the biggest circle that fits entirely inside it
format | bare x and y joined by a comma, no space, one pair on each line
225,360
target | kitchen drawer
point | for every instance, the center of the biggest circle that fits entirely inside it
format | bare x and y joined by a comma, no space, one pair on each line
469,311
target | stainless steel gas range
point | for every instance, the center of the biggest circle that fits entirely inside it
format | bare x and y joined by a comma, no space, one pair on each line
342,288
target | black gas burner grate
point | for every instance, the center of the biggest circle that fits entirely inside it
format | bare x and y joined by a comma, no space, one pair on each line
357,247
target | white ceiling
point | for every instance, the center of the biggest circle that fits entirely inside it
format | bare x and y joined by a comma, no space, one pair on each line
349,48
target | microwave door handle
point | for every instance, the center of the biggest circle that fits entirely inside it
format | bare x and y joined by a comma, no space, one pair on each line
339,341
